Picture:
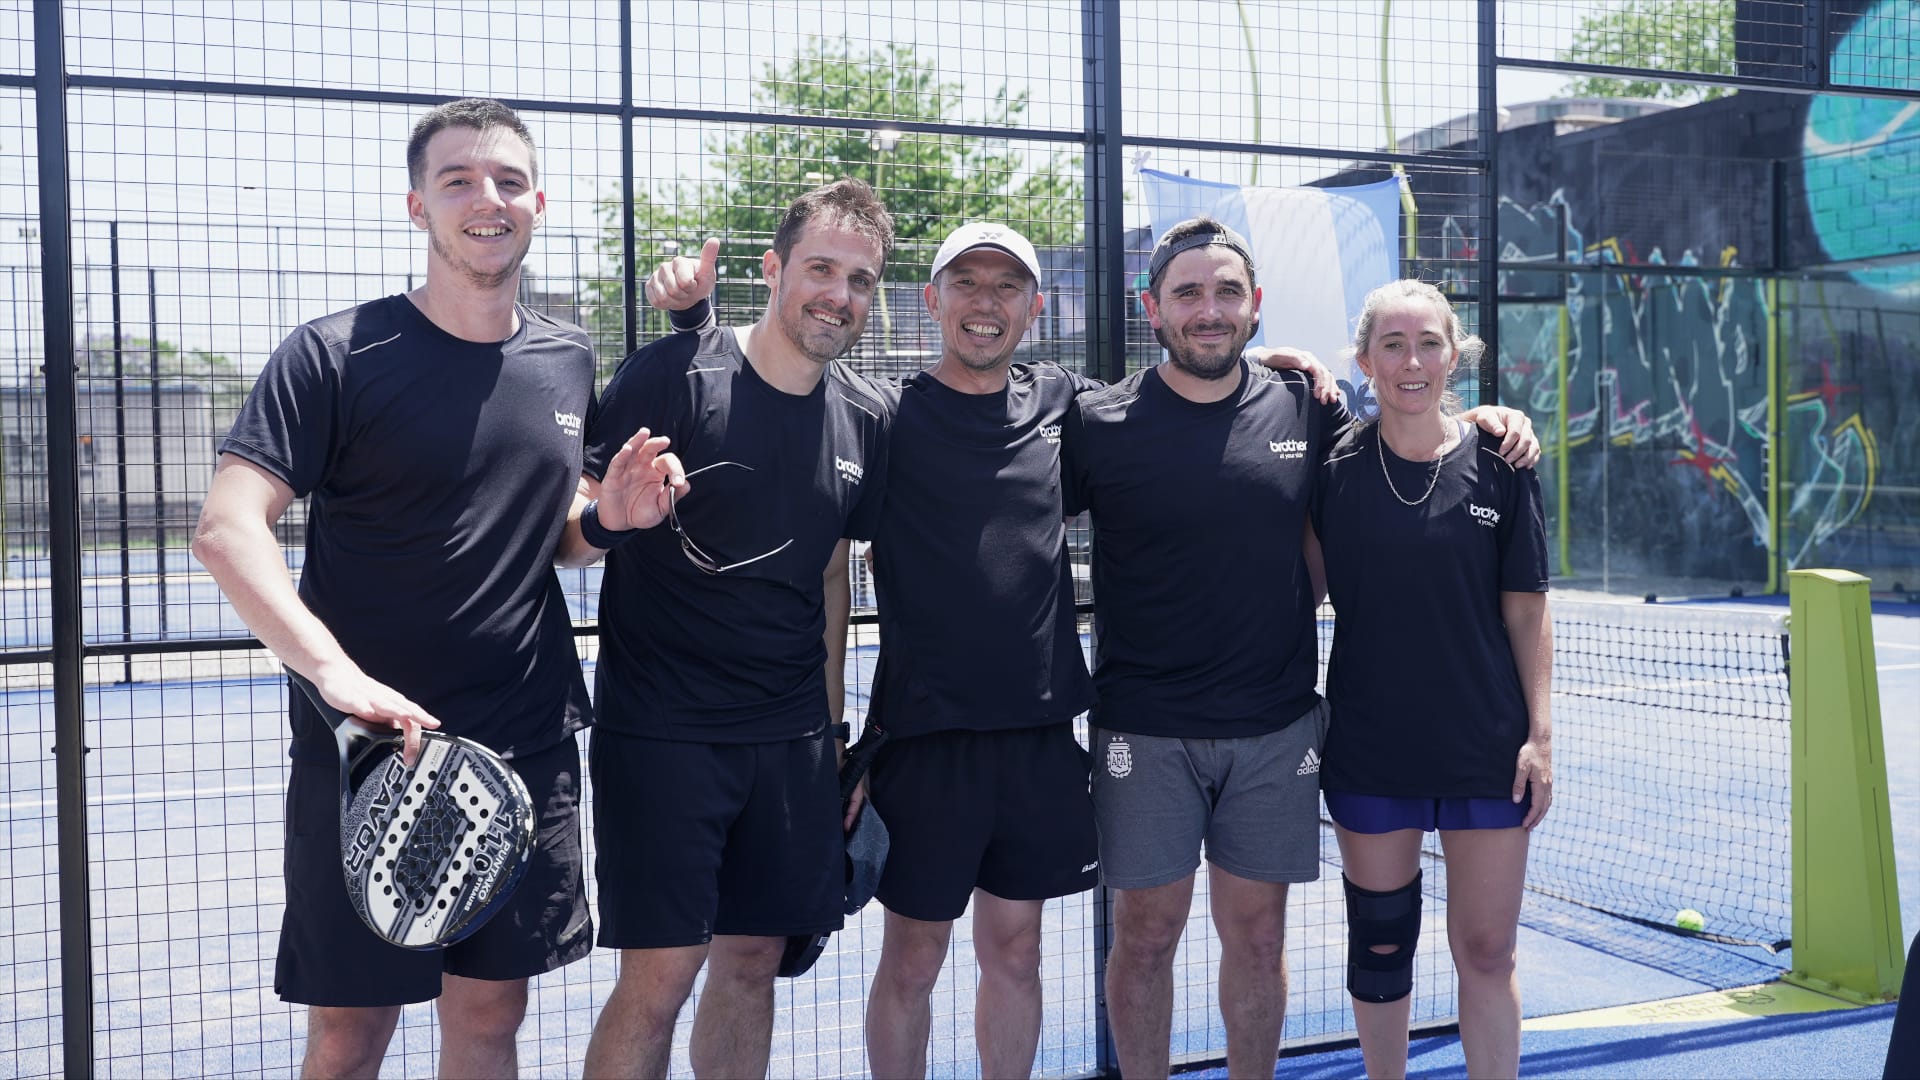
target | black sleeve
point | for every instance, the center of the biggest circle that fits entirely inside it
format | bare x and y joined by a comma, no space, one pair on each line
1334,420
1523,534
1074,481
289,421
864,521
1316,509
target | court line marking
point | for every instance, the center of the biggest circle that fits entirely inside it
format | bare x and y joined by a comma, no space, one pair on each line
1713,1007
129,797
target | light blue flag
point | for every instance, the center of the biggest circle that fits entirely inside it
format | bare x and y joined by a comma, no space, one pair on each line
1316,251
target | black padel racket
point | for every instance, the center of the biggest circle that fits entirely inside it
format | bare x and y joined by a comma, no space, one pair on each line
429,851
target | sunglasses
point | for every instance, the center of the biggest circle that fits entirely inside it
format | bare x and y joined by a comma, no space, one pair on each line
694,553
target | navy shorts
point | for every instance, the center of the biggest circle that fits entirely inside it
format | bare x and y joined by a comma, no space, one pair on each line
697,839
328,956
1391,813
1006,811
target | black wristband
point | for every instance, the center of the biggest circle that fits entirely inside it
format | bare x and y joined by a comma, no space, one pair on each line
697,317
599,535
841,731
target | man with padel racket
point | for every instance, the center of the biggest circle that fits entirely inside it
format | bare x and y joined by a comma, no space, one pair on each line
438,436
717,811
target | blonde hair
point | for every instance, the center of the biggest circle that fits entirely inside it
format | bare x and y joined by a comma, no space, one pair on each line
1467,347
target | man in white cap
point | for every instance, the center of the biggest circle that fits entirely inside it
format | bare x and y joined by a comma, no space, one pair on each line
980,672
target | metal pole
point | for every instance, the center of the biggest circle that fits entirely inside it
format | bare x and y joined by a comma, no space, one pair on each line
629,243
159,469
1489,251
1106,308
120,446
1106,191
63,539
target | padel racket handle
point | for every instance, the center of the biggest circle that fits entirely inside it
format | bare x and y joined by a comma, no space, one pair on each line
334,717
860,758
347,730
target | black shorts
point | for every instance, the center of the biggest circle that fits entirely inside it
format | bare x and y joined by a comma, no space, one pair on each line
1005,811
698,839
329,957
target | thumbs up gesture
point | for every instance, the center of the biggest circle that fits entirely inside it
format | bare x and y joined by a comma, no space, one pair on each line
681,282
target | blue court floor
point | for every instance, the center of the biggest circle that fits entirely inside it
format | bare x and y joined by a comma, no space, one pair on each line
1572,991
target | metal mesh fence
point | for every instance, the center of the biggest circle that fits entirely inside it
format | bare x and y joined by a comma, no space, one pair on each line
238,169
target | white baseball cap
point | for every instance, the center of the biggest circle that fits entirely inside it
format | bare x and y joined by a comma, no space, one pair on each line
986,234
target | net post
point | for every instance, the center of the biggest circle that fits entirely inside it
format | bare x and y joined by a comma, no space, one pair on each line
1847,940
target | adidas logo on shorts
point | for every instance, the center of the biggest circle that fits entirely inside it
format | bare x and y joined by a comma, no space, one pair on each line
1309,764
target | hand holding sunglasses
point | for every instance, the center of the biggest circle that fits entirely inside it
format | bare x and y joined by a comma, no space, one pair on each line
640,484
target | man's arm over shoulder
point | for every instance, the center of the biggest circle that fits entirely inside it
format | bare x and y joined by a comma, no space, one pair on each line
1518,444
1075,479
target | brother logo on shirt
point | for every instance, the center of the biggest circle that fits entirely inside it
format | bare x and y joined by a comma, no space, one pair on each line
1488,515
1051,433
848,470
569,422
1289,448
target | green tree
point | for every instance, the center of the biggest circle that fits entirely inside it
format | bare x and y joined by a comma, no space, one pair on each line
216,371
930,182
1686,37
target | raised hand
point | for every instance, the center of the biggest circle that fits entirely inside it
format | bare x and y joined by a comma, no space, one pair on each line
640,483
1288,358
681,282
1518,445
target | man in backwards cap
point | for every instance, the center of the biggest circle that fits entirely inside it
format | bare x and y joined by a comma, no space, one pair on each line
1198,473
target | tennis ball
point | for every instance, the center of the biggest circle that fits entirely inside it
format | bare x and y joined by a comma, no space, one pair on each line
1689,919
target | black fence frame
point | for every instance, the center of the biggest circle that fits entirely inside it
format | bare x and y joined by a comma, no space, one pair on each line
1102,141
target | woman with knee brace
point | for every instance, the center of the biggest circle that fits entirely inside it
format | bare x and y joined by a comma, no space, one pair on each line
1435,554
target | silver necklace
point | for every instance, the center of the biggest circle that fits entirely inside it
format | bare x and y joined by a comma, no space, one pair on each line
1380,443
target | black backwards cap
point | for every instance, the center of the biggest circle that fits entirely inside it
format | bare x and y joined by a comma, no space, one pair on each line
1164,252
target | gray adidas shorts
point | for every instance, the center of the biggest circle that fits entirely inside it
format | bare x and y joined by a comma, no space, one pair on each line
1254,802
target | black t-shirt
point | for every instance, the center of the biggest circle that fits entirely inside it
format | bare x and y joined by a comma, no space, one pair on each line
976,597
1426,699
734,657
1203,612
440,472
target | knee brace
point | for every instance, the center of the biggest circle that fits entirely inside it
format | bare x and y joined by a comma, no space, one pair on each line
1378,919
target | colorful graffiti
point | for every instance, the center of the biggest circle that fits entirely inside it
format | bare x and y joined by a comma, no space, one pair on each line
1668,407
